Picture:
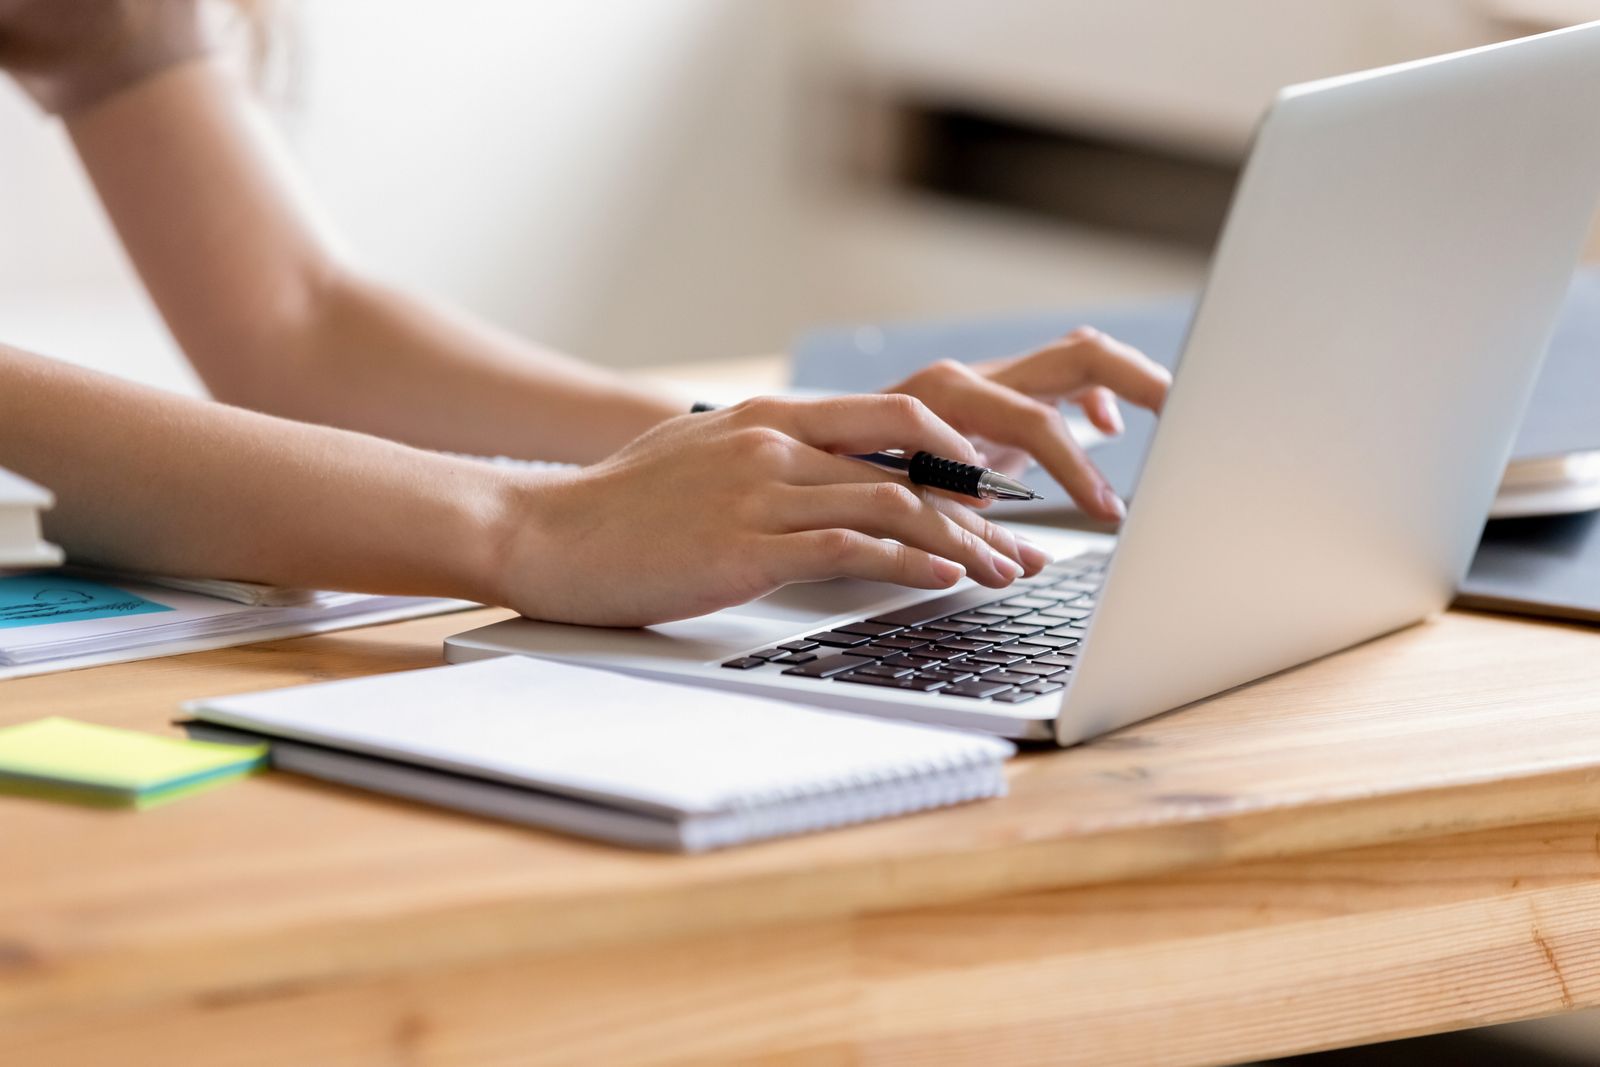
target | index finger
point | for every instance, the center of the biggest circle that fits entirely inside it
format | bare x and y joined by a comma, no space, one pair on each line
1087,357
870,423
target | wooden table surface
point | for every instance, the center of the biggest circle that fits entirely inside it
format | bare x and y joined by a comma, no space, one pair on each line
1396,839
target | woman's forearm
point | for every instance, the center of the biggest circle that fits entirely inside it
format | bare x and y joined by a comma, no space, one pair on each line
153,482
249,282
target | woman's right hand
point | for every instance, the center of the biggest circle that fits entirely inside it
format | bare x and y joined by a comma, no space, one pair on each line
711,510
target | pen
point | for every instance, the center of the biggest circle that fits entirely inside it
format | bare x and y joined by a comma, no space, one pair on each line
936,472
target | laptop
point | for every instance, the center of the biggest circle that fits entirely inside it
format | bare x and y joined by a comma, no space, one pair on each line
1349,388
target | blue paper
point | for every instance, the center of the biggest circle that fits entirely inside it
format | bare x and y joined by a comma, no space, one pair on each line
40,599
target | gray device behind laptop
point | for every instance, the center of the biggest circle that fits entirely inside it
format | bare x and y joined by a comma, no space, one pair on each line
1347,397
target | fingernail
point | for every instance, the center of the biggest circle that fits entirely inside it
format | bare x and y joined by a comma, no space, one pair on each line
1034,558
1112,503
1009,569
1114,417
948,571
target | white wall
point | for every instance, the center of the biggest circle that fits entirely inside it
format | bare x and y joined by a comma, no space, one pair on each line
634,180
599,174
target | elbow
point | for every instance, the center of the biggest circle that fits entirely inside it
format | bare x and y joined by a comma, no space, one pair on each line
277,360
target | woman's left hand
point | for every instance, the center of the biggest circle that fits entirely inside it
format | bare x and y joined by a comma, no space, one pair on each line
1009,407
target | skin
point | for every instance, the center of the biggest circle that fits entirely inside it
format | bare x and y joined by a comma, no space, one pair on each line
310,469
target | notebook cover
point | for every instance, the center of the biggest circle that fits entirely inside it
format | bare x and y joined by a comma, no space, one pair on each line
1538,566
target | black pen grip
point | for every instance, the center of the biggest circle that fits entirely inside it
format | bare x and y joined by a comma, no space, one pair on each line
938,473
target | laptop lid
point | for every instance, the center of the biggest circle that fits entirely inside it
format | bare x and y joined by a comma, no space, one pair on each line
1388,278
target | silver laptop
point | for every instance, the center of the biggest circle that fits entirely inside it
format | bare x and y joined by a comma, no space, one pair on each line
1377,308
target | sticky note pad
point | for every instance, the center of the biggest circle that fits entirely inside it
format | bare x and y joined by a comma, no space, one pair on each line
62,759
49,597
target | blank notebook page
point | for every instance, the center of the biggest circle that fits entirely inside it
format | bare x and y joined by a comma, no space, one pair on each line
639,742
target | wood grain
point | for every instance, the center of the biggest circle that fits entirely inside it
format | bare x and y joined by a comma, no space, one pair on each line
1468,722
1249,961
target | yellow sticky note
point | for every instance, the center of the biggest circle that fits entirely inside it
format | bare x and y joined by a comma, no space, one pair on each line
69,760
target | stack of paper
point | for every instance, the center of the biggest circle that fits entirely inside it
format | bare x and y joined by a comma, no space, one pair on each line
623,759
252,593
59,759
21,544
53,620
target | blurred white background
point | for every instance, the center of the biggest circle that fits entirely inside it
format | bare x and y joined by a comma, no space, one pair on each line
647,181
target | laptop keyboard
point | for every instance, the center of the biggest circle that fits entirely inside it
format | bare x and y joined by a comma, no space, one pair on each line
978,644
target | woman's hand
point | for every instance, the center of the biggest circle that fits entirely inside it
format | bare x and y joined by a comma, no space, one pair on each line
1010,405
710,510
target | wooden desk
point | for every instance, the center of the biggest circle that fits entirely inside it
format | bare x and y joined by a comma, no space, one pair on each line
1398,839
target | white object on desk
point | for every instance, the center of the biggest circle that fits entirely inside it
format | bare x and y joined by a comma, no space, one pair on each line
1554,485
22,542
612,756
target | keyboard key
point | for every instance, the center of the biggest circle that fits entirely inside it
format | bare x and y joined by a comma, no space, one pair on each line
880,670
902,644
1037,669
857,678
1018,629
797,657
922,634
744,663
799,646
1079,585
945,674
965,644
1031,602
940,607
1056,660
837,639
952,627
998,659
1044,640
976,618
769,654
920,685
869,629
977,689
936,653
1042,687
904,659
1009,677
877,651
993,636
826,667
1016,696
1071,614
1066,631
1002,610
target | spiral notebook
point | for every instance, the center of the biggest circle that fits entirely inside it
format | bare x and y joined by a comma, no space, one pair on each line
597,754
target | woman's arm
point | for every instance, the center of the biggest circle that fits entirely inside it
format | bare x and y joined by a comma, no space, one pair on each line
273,319
149,481
702,512
249,281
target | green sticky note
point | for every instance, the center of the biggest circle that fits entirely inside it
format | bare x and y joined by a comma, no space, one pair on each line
62,759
